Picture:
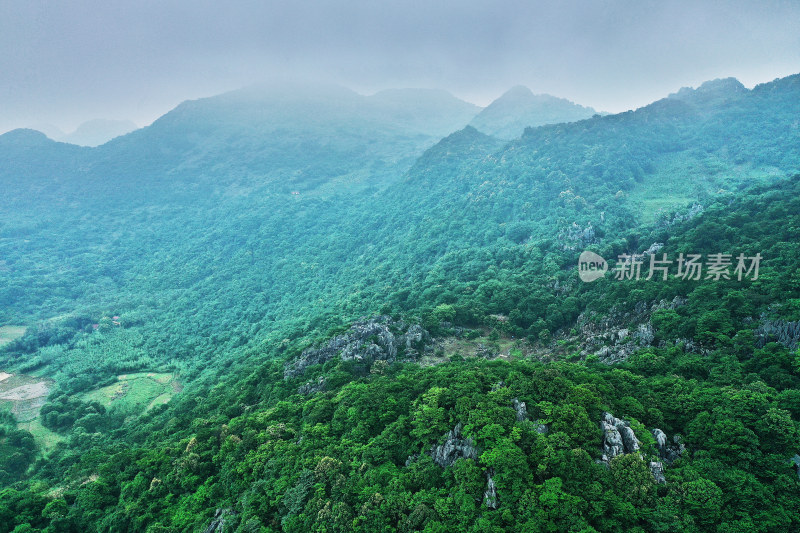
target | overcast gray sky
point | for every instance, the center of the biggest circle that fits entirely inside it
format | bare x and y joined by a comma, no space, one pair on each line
64,62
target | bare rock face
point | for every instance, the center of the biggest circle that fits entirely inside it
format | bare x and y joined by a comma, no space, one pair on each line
490,494
575,235
629,439
368,341
413,336
653,249
661,438
657,469
645,334
796,461
612,339
520,408
453,448
312,386
666,451
411,459
786,333
221,518
522,415
612,441
618,437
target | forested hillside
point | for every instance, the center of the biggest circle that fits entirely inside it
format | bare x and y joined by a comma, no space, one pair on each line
309,310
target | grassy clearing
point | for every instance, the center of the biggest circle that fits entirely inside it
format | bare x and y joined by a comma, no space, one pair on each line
136,392
46,439
503,348
11,333
680,182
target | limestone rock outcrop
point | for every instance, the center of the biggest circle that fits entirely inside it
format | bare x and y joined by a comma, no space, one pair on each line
219,522
520,408
612,338
454,447
620,439
376,339
490,494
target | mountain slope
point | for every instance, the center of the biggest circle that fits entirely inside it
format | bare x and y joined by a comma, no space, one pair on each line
180,252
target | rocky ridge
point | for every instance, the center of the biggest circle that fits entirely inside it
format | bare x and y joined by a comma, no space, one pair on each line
616,336
375,339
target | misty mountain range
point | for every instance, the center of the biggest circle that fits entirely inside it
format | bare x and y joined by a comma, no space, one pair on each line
505,118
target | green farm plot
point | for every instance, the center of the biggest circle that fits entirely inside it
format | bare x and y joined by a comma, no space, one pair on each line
139,391
23,394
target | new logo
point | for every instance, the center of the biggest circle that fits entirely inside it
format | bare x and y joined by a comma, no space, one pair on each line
591,266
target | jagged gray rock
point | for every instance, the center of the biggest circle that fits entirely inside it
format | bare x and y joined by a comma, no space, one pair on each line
576,235
644,334
520,408
665,221
610,337
786,333
657,469
483,351
368,340
217,525
668,452
661,438
653,249
796,461
618,437
414,335
629,439
490,494
671,453
612,441
453,448
312,386
540,428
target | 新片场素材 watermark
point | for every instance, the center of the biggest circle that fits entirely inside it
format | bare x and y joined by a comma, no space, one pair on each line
592,266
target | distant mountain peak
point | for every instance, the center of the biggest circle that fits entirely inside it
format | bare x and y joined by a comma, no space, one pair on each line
24,137
518,108
517,91
278,106
718,89
722,84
